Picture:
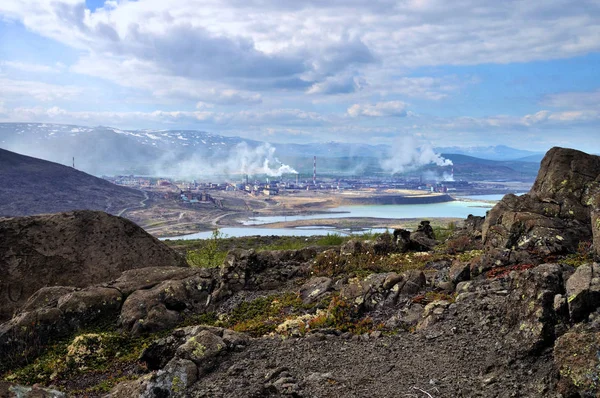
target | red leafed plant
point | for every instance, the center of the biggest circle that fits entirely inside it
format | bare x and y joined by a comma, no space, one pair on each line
501,272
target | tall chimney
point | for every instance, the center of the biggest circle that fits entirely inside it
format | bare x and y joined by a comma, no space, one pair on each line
73,161
315,170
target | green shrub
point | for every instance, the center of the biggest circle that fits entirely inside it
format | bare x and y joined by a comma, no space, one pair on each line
262,315
209,255
331,240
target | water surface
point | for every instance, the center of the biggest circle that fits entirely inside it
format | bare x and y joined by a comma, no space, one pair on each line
455,209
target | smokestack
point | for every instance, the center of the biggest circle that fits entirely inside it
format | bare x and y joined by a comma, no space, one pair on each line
73,161
315,171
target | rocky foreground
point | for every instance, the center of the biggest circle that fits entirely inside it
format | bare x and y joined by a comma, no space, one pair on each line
505,306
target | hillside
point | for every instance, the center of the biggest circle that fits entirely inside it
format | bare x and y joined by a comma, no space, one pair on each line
473,168
33,186
496,152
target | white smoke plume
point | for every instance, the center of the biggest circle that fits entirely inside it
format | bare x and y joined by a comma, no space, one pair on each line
407,153
241,159
253,161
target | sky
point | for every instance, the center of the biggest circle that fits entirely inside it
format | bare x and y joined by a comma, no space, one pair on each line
520,73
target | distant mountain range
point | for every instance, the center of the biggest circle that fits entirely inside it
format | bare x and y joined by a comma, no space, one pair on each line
496,152
186,153
34,186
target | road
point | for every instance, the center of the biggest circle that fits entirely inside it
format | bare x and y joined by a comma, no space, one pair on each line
142,204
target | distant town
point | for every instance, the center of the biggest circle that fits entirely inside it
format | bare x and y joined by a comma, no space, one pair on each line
193,192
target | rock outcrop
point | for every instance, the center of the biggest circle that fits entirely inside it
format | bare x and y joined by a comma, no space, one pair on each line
79,249
553,218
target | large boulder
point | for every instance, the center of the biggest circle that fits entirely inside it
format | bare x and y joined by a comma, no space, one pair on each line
78,248
555,215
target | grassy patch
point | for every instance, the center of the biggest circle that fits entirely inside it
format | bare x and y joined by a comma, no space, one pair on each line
285,244
332,240
332,263
442,233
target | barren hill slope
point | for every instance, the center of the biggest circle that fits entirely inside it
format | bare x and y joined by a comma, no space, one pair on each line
33,186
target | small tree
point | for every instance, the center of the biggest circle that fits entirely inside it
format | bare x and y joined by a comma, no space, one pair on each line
209,255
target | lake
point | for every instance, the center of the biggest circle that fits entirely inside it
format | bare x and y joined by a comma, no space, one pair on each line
233,232
495,197
455,209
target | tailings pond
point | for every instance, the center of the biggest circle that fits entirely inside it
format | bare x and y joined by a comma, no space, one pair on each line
455,209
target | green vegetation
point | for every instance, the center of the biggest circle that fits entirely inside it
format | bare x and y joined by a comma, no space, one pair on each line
94,361
443,233
209,255
332,263
583,255
262,315
287,244
265,315
343,317
332,240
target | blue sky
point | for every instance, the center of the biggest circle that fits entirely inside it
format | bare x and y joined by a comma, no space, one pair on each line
519,73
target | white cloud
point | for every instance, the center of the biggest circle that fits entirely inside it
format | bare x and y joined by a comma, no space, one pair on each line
24,89
29,67
570,100
343,84
380,109
199,118
306,46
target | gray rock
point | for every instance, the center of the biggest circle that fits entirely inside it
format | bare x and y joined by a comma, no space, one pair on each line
459,272
315,289
415,280
583,291
576,358
202,348
162,307
173,380
352,248
14,390
555,215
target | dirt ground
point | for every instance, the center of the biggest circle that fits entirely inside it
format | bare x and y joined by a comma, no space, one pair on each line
460,363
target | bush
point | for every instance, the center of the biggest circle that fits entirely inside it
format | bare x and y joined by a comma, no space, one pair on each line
209,255
331,240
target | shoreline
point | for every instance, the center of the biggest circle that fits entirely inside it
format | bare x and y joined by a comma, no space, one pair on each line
315,204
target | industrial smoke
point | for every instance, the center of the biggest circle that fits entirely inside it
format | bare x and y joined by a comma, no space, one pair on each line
407,153
239,160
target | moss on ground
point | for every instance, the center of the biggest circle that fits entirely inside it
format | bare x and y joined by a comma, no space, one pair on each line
87,364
